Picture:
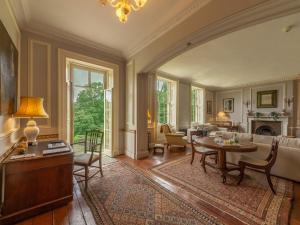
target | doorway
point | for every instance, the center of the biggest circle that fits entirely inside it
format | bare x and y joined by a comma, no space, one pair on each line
89,102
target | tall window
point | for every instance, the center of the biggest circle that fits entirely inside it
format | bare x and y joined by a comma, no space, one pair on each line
197,104
88,99
166,101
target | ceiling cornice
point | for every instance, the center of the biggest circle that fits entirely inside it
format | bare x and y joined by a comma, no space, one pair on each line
22,13
187,12
62,35
215,88
251,84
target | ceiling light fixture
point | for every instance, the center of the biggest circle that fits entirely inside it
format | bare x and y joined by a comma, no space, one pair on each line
124,7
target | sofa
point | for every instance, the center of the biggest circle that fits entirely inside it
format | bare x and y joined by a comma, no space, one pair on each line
206,127
287,164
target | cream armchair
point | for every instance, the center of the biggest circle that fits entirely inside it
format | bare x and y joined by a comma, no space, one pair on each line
173,139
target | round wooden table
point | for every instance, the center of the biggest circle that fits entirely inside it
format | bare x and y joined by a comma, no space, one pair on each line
222,149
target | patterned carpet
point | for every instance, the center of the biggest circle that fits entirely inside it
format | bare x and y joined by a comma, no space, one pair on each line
126,195
250,203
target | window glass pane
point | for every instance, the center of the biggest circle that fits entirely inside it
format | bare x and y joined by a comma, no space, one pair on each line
80,77
97,77
162,100
76,92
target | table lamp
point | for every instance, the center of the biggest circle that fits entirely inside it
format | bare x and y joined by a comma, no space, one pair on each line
31,107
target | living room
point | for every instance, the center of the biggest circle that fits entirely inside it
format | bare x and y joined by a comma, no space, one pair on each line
109,116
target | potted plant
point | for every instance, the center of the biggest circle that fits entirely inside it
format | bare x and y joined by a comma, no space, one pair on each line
258,114
275,115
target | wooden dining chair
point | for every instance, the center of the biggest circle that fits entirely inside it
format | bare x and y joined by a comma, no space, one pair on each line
92,152
204,152
265,165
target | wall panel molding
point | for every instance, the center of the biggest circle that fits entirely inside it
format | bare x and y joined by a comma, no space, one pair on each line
39,76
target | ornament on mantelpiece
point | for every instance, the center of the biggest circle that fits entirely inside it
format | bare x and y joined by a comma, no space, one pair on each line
250,113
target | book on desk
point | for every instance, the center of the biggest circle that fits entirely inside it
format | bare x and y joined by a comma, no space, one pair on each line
47,181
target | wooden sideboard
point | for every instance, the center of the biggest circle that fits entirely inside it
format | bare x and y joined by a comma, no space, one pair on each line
34,185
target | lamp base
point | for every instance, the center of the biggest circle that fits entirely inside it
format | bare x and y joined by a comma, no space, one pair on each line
31,132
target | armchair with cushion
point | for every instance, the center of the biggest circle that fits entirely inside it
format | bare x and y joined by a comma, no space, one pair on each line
173,138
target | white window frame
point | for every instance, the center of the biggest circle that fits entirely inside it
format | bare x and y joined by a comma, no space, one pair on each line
172,88
199,105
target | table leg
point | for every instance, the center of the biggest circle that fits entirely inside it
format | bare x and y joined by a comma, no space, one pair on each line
222,164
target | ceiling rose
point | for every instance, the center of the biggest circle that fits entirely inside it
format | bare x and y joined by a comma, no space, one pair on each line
124,7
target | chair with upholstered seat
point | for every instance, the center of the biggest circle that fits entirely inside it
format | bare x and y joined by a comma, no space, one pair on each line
265,165
204,152
173,138
92,153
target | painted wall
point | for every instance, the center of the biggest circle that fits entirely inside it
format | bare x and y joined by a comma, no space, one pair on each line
9,131
39,75
184,105
209,96
241,96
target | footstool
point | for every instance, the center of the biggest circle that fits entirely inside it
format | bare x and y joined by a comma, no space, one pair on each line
159,146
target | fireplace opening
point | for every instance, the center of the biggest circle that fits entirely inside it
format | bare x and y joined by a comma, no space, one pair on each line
263,127
265,130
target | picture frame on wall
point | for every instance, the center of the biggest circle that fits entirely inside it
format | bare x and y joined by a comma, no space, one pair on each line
209,107
267,99
8,73
228,105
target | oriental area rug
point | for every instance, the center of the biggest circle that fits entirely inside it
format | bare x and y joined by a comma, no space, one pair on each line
127,196
252,202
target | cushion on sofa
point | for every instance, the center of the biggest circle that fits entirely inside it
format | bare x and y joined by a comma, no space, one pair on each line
244,137
264,139
289,142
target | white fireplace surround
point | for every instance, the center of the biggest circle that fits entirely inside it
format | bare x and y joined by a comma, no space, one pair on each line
283,119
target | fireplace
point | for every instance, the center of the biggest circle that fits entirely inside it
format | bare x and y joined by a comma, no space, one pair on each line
270,128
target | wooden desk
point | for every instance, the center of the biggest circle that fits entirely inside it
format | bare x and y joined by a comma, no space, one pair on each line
222,163
35,185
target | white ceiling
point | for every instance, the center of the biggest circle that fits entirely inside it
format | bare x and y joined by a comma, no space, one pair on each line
256,54
89,21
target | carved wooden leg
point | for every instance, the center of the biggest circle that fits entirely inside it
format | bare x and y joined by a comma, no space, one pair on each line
270,181
222,164
242,173
100,165
193,156
203,162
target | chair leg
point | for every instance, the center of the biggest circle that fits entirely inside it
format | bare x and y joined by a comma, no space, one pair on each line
100,166
203,162
193,156
270,181
86,170
242,173
216,159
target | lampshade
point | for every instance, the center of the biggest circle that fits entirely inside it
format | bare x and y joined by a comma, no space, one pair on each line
31,107
221,114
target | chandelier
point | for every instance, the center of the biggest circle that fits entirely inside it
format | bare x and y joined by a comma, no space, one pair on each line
124,7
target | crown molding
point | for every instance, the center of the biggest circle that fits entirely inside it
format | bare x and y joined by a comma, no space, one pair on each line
264,82
230,88
58,35
12,15
22,13
174,21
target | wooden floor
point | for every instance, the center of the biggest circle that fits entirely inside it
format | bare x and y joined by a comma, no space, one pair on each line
78,213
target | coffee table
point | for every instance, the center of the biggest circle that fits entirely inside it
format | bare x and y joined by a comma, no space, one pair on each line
209,142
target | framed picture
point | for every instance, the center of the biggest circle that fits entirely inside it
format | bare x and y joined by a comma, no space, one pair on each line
228,105
267,99
8,73
208,107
